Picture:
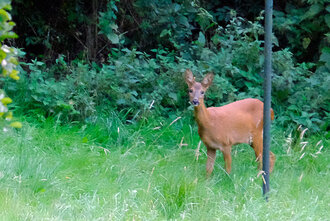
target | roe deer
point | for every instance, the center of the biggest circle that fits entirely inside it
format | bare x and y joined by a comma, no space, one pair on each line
221,127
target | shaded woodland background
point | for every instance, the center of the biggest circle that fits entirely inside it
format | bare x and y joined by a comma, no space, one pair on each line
89,29
83,58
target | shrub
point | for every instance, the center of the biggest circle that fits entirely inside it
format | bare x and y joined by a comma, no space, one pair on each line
140,83
8,60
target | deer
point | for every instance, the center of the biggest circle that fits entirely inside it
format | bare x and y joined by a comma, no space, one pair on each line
222,127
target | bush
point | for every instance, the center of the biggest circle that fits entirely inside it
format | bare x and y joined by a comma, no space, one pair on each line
139,83
8,61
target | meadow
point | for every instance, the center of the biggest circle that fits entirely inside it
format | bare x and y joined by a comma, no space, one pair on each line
108,169
71,70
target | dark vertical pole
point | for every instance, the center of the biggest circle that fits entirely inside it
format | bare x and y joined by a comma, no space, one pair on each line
267,93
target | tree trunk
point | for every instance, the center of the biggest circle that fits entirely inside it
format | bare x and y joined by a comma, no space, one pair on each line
91,33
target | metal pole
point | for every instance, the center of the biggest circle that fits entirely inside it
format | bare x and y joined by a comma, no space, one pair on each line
267,94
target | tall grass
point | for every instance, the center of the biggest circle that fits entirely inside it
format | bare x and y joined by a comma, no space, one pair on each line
106,170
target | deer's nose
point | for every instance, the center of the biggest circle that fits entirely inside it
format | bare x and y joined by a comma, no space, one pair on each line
195,102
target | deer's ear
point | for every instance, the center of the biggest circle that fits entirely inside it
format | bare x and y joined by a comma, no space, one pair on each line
207,81
189,77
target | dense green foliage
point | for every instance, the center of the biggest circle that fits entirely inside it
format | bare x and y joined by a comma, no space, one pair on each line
131,80
106,170
310,21
84,57
90,29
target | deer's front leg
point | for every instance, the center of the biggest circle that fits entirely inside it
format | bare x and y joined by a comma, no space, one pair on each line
211,154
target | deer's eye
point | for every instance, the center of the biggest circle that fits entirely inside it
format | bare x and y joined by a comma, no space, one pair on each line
190,91
202,92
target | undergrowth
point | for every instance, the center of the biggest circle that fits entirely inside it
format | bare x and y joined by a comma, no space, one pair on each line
151,170
135,80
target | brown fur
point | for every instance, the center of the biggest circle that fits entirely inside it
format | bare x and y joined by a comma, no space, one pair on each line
221,127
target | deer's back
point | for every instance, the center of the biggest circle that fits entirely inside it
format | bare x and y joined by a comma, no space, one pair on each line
239,110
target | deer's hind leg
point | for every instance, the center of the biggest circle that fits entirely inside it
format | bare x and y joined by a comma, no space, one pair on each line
257,145
227,158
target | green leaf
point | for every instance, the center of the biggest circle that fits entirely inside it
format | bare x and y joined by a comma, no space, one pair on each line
216,39
325,56
183,21
121,101
306,42
113,38
328,8
201,39
2,55
327,20
85,140
16,125
177,7
134,93
165,32
6,6
173,96
113,26
313,11
4,16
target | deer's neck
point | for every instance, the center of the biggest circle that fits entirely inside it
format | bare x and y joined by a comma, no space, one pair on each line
201,115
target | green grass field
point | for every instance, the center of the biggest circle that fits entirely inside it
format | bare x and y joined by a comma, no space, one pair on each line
106,170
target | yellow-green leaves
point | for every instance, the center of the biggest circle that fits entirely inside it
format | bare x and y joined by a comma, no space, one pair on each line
14,74
6,100
16,124
3,107
4,113
6,25
8,61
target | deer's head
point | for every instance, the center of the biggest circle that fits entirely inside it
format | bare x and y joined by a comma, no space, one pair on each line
197,89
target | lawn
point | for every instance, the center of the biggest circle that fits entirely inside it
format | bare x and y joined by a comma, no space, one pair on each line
107,170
